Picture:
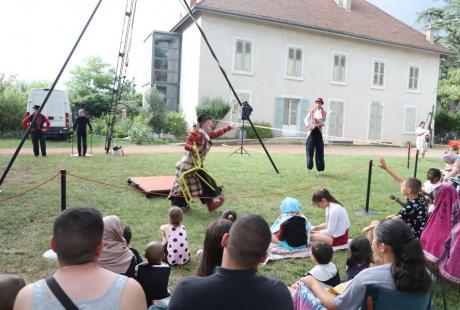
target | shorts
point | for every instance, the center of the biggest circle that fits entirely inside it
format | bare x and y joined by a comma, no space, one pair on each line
341,240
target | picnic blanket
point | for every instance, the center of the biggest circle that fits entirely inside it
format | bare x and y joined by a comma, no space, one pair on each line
275,252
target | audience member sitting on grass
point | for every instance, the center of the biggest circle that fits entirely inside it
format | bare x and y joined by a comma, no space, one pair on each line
153,276
434,180
127,234
211,255
174,236
77,240
291,228
438,227
403,269
335,230
236,284
415,210
360,256
116,256
324,271
230,215
10,285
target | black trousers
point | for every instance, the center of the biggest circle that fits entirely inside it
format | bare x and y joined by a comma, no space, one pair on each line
81,140
38,137
315,147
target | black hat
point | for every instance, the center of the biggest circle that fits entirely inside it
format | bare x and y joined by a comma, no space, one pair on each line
36,107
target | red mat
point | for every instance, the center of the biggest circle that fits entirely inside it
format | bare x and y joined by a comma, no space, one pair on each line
153,186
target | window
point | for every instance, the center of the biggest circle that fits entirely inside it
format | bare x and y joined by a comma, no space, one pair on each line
413,77
335,118
243,56
378,75
410,119
290,111
339,68
375,120
294,62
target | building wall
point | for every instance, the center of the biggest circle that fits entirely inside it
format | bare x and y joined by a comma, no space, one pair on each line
268,80
190,72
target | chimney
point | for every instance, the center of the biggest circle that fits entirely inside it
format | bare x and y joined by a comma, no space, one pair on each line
430,32
346,4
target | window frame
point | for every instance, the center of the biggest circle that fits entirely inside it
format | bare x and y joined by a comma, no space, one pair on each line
406,107
346,69
369,120
293,77
344,102
413,90
292,97
385,72
235,41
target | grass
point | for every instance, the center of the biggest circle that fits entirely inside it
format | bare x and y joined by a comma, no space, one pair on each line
97,141
26,222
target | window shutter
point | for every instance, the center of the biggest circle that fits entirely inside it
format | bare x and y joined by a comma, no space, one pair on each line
279,116
304,106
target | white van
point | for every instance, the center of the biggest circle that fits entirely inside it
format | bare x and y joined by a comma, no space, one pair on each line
57,109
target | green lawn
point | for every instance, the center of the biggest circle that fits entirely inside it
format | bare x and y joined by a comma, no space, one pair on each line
26,222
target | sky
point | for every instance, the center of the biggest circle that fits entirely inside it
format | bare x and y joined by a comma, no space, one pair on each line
37,35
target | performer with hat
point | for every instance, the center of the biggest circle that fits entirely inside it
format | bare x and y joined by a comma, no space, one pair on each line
198,141
38,129
314,121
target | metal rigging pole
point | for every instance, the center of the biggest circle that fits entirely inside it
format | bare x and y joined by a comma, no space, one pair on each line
122,64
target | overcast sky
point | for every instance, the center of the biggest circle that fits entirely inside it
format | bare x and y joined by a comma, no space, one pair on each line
37,35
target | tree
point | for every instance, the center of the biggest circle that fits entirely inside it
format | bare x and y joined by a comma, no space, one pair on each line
90,86
447,20
217,108
157,109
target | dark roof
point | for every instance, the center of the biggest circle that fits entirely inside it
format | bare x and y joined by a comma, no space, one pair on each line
364,20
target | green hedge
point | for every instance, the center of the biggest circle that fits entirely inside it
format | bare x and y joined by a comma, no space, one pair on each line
263,132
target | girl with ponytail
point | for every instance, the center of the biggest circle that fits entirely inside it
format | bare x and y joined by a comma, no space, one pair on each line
403,268
335,230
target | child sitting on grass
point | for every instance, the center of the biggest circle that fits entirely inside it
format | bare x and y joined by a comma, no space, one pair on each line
292,228
230,215
153,276
325,271
434,180
360,256
175,241
414,212
127,234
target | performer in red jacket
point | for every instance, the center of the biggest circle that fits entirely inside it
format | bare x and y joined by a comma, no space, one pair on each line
38,129
198,141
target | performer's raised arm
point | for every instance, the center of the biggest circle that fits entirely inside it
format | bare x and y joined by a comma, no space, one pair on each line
219,132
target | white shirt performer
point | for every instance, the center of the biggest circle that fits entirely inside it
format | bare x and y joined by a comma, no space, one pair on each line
314,121
421,141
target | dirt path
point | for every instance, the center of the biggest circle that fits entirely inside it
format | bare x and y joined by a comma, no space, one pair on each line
272,148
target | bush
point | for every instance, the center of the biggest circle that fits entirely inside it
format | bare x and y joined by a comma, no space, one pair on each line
140,132
100,125
217,108
156,107
263,132
176,124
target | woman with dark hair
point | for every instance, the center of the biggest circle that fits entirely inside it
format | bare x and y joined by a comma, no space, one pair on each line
212,248
198,142
403,268
335,230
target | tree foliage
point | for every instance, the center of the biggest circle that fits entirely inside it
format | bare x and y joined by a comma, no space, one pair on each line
447,20
217,108
156,107
91,86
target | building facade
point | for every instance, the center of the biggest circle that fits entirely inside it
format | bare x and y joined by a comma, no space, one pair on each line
376,75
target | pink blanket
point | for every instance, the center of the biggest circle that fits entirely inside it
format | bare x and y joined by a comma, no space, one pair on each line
438,228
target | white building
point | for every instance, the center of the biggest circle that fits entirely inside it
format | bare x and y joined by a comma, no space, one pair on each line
377,76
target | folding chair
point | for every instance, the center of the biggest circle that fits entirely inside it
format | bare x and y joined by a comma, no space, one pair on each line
198,167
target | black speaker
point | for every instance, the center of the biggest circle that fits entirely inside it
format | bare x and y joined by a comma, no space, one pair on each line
246,111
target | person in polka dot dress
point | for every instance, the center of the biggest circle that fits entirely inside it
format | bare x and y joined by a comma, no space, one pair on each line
175,241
